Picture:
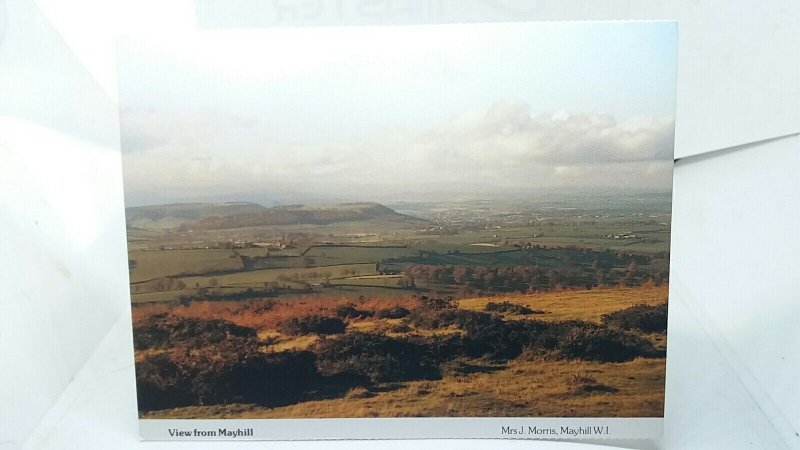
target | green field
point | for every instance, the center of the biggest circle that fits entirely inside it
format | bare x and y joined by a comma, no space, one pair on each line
322,256
170,263
650,239
340,266
152,264
257,278
361,253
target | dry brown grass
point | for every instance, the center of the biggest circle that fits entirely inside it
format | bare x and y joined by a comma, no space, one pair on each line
525,388
294,343
254,314
588,305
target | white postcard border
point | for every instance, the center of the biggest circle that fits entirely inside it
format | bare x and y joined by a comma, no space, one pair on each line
402,428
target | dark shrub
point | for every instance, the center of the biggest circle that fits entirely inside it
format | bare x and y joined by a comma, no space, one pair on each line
604,344
485,335
640,317
431,318
161,384
395,312
164,330
547,335
313,324
492,337
233,372
400,328
268,379
443,348
507,307
594,388
350,312
380,358
571,339
436,302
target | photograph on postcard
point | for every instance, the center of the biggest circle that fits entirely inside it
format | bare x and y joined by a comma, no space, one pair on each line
457,220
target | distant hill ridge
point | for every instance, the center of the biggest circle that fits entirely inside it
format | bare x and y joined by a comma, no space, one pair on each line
213,216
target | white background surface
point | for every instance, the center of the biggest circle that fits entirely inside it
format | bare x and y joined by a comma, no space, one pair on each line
732,366
737,63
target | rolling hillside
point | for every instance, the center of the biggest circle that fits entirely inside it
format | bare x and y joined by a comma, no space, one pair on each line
176,214
210,216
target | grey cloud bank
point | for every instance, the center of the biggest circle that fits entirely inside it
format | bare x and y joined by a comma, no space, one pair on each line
409,113
503,146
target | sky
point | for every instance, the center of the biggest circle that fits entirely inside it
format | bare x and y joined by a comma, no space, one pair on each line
421,112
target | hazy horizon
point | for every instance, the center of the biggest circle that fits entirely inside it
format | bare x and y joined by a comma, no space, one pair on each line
554,196
411,113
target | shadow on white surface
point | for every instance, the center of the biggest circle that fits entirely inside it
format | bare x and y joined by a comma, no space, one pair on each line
62,265
62,254
734,266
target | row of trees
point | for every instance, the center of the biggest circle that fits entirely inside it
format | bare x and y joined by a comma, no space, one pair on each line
527,278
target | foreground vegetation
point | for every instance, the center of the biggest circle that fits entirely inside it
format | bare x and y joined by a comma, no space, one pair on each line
524,387
316,357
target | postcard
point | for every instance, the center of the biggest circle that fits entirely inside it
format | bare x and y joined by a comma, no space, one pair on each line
427,231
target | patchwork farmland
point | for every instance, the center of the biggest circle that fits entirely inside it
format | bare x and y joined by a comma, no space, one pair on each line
369,311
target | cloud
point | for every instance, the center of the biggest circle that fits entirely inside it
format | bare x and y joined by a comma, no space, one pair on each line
507,134
503,147
506,146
